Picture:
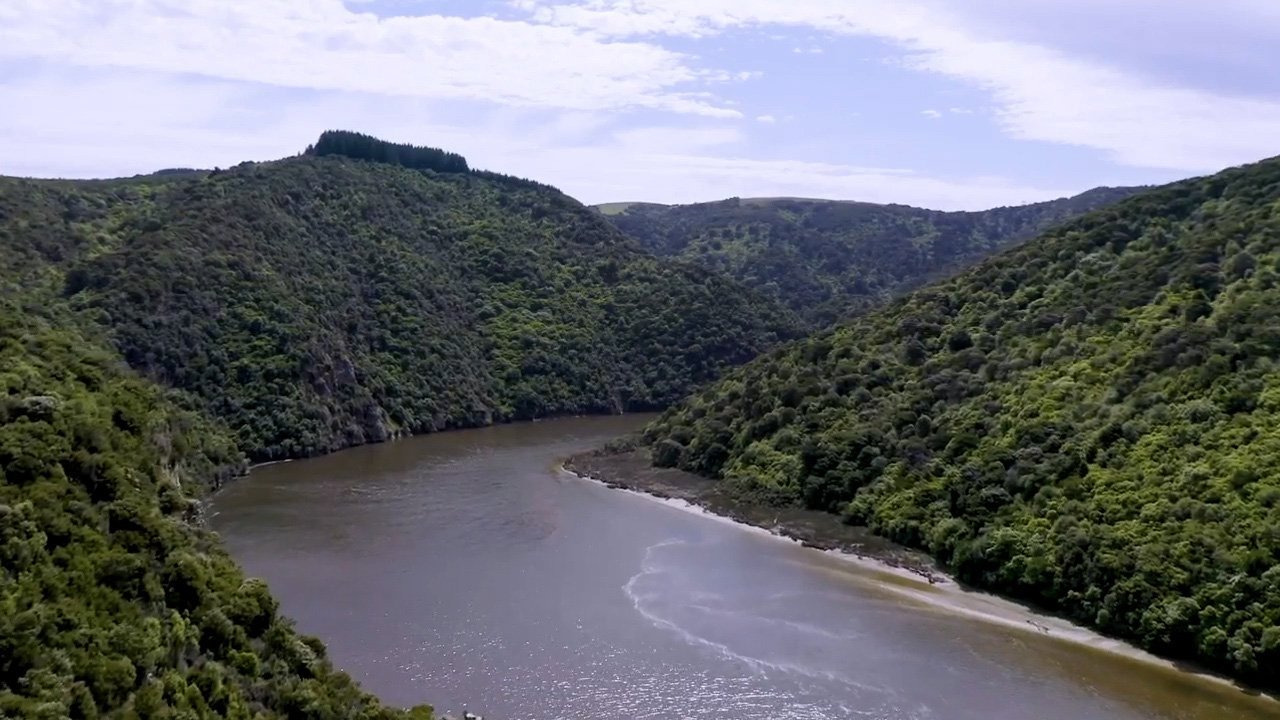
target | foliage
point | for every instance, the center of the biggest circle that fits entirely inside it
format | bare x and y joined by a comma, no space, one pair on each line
317,303
288,308
364,147
1090,422
827,260
112,603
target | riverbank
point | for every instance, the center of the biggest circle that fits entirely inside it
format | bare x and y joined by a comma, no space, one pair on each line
631,470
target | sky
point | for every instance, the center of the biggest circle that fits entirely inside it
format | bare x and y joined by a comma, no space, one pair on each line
948,104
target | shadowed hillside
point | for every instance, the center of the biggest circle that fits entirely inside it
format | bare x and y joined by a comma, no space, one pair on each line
315,303
828,259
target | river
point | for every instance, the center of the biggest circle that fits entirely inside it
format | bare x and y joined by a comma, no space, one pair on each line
467,570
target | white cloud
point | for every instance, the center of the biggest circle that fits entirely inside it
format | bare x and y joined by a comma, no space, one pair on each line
139,125
676,139
931,113
321,44
196,83
146,121
1040,94
597,57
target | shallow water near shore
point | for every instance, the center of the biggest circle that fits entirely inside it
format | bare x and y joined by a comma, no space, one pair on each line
468,570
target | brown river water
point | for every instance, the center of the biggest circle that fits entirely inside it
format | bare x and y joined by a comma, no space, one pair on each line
469,571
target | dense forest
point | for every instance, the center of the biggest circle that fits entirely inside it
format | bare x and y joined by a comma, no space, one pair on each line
1085,422
316,303
366,147
113,603
1090,422
159,332
827,260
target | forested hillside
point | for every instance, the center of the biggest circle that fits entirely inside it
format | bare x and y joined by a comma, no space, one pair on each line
1090,422
320,302
827,260
112,604
158,332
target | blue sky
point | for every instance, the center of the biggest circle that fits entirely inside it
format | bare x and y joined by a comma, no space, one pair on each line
941,103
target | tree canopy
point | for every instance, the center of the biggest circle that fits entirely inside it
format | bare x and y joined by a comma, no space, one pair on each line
366,147
826,259
158,332
1087,421
1090,422
317,303
113,602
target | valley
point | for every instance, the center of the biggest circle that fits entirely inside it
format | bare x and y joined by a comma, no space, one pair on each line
1069,404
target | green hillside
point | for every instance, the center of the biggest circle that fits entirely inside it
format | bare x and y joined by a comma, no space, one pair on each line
157,332
316,303
113,604
1090,422
828,259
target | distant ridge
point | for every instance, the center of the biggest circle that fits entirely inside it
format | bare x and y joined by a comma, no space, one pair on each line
610,208
827,259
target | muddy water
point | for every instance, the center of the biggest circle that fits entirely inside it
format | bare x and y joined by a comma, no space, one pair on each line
466,570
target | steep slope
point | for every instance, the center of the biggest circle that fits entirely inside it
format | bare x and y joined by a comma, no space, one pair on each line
1090,422
112,604
277,310
320,302
826,259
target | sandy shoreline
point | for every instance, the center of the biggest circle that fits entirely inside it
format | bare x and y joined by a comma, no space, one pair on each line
906,573
811,528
